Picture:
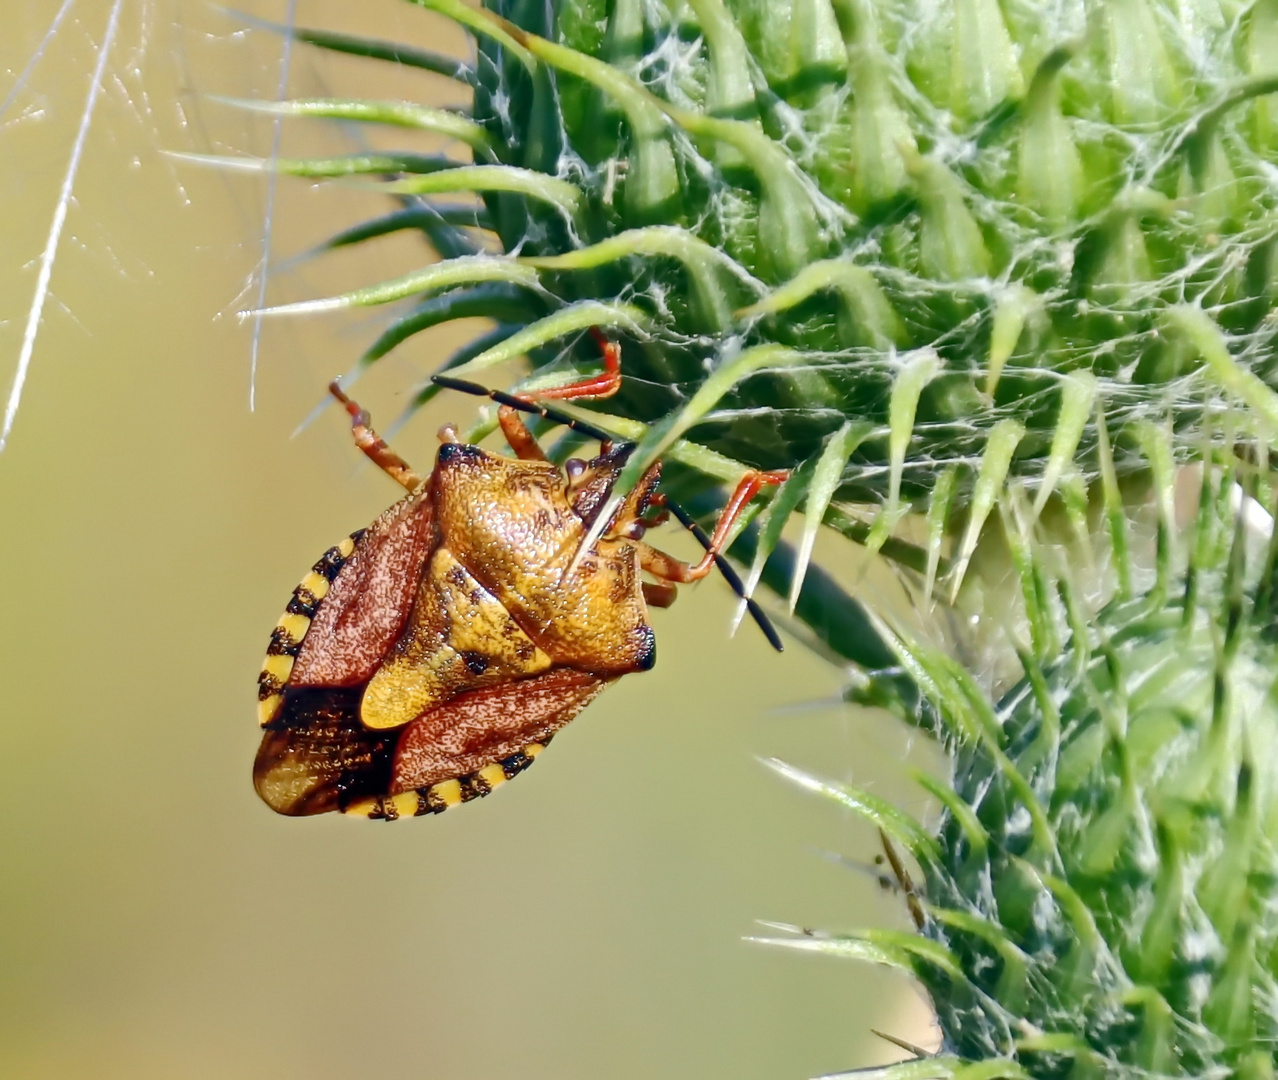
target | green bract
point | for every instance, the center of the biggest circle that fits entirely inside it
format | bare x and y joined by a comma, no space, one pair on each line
1098,897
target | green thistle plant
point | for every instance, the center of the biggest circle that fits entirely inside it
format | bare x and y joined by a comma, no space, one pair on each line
1097,897
980,261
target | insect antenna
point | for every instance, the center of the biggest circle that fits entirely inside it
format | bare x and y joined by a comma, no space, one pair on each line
524,405
729,575
681,515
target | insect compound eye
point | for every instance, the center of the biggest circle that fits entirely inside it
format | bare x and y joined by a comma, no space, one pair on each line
574,467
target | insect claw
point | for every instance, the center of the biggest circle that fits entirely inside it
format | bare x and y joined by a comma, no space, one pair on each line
335,388
358,415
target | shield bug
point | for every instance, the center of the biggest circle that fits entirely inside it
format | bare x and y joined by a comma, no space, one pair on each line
430,657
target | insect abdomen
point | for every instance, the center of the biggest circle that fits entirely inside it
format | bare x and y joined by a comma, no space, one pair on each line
290,630
438,797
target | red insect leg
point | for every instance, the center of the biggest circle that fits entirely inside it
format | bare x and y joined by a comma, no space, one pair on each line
603,385
374,445
669,568
522,441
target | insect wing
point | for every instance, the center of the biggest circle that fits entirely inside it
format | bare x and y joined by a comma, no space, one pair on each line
465,748
322,757
372,592
486,725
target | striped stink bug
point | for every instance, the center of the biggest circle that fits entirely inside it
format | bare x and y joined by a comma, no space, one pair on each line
430,657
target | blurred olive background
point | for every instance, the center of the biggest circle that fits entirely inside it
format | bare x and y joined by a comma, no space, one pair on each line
155,919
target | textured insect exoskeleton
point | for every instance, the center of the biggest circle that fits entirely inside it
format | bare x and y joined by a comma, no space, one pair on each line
430,657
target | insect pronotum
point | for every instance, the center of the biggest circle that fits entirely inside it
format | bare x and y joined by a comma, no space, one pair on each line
430,657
